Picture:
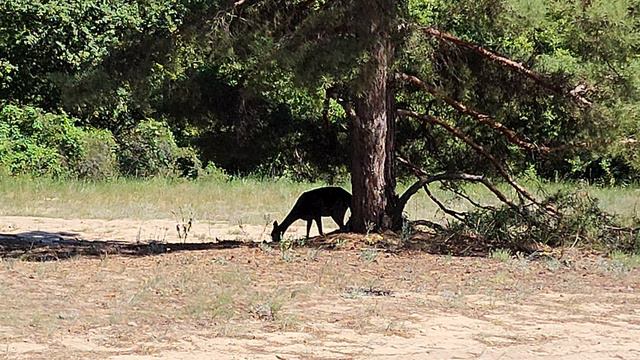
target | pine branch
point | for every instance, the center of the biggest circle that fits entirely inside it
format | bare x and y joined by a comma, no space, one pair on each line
463,195
505,61
510,134
482,151
458,215
424,180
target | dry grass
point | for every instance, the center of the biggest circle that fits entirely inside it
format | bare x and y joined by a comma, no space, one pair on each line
238,202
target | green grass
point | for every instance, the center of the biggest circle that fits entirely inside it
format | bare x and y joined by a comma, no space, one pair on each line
502,255
240,201
237,201
624,261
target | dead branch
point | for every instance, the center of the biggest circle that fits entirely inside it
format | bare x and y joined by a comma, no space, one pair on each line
623,229
505,61
456,214
430,224
481,150
463,195
485,119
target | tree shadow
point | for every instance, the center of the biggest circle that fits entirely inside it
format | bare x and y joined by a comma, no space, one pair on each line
51,246
419,241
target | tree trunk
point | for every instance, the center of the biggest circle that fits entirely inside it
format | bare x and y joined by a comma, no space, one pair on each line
372,130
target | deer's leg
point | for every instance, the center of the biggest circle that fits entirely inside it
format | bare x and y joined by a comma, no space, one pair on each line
338,217
319,223
339,220
309,222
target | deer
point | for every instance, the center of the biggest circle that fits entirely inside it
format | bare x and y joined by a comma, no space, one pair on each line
313,205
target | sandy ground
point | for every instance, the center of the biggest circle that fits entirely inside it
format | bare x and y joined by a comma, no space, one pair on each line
332,299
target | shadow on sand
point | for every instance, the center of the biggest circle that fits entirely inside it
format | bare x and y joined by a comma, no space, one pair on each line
49,246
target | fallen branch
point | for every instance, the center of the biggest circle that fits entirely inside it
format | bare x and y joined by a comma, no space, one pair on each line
485,119
505,61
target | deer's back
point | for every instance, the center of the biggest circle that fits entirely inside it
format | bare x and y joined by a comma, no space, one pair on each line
322,202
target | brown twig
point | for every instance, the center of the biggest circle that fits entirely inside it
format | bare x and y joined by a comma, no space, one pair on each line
463,195
456,214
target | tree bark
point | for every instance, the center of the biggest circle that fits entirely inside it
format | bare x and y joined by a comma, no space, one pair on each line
372,127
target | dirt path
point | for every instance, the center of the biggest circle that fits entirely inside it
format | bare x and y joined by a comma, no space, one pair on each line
351,302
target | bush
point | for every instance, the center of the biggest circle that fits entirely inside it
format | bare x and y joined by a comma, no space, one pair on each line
38,143
99,160
213,173
188,163
580,221
150,149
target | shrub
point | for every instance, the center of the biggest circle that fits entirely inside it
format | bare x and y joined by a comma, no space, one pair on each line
580,221
150,149
38,143
98,160
213,173
188,163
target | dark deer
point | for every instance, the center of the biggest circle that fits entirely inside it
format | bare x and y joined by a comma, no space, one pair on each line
313,205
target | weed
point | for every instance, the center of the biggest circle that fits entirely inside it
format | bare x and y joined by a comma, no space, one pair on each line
9,263
288,322
265,247
340,242
407,230
312,254
368,254
503,255
183,223
452,298
552,264
624,261
287,255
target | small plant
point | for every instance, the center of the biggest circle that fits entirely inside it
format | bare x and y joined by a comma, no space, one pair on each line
624,261
265,247
340,242
407,230
552,264
502,255
369,254
312,254
242,229
183,223
286,250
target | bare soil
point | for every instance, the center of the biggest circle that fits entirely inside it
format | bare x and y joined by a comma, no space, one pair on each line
125,289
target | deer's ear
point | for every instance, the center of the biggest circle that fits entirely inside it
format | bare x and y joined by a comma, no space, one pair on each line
275,223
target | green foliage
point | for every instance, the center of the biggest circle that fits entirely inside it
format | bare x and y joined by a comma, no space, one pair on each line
255,82
150,149
42,42
502,255
580,221
594,44
212,173
38,143
98,160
